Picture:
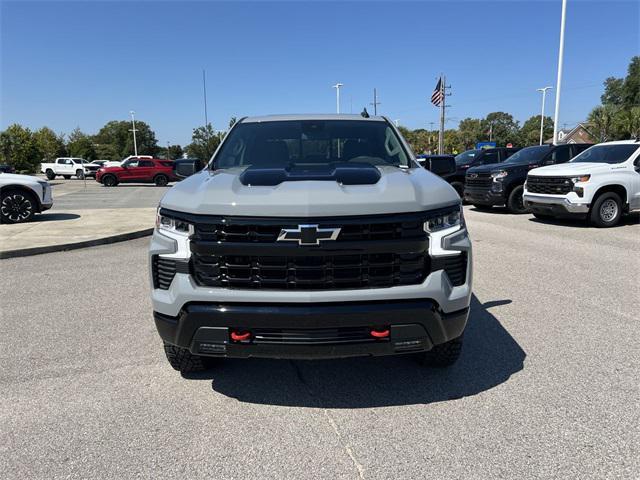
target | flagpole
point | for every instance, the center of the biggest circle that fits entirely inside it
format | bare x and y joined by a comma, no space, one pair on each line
441,135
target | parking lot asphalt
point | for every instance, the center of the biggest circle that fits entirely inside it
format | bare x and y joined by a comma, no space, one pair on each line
547,386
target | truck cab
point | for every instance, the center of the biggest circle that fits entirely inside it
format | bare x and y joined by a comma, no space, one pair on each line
502,184
601,184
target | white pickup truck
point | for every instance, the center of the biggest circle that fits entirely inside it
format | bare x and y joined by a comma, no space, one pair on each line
600,184
22,196
65,166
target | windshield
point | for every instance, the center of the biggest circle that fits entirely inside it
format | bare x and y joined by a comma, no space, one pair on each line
606,154
529,154
467,157
311,142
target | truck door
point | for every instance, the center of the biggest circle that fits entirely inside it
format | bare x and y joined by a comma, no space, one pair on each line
65,166
634,195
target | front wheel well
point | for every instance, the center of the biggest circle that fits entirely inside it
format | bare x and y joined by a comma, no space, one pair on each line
22,188
620,190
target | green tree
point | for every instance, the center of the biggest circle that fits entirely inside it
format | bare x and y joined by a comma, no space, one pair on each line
470,132
601,122
613,91
627,123
204,142
81,145
530,130
49,145
118,134
18,148
501,127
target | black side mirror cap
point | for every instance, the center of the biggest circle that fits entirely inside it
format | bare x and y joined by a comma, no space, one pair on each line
440,166
187,167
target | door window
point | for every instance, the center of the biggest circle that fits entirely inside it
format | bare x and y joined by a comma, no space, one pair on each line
561,154
490,157
145,163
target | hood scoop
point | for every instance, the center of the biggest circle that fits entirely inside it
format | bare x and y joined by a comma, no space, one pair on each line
351,173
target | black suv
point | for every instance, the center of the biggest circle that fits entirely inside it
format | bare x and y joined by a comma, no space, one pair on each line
502,183
474,158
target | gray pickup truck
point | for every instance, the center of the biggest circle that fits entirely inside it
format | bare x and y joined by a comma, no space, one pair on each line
311,236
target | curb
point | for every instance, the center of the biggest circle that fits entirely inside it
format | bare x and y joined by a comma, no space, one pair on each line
26,252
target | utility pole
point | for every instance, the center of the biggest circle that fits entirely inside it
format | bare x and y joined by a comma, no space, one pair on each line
133,123
375,102
544,94
559,81
337,87
443,87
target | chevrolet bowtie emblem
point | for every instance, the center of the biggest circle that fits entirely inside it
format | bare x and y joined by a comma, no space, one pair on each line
473,175
308,234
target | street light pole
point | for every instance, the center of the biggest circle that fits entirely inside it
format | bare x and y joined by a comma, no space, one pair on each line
559,81
337,87
544,94
135,143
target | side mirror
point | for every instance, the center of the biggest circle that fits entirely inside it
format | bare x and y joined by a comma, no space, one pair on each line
440,166
186,168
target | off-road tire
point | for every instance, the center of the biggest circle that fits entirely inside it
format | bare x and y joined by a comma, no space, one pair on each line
606,210
443,355
515,203
161,180
80,174
184,361
50,175
25,202
109,180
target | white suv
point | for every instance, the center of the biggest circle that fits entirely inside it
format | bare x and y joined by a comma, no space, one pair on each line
601,184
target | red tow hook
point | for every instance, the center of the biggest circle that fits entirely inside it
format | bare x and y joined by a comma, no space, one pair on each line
379,333
240,336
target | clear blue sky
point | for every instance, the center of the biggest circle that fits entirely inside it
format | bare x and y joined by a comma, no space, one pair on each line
68,64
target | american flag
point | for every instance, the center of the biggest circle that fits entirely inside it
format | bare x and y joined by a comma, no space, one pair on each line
437,96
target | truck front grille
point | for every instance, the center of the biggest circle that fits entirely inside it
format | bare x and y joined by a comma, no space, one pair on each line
317,336
478,180
326,272
549,185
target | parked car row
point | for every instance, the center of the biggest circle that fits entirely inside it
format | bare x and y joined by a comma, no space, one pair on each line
600,182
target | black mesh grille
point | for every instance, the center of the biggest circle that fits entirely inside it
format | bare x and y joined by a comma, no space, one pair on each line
478,180
328,272
549,185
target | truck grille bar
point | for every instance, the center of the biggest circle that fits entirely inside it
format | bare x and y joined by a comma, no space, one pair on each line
549,185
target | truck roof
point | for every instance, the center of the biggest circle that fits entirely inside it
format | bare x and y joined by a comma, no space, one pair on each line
311,116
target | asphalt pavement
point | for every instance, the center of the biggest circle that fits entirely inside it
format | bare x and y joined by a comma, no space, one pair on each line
547,386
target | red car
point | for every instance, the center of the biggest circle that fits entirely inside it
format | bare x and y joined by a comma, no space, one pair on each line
138,170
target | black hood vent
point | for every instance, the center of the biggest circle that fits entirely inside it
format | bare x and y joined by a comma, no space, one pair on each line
350,173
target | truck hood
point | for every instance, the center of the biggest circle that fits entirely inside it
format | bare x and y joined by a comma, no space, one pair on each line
496,167
18,178
222,193
569,169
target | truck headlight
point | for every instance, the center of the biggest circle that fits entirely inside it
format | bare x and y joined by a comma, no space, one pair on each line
581,179
173,225
498,176
449,219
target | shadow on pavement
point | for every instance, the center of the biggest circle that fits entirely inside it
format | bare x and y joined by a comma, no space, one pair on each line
490,356
628,219
54,217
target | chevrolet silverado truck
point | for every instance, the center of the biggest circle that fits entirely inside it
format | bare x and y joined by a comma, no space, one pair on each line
66,167
600,184
22,196
310,236
502,184
474,158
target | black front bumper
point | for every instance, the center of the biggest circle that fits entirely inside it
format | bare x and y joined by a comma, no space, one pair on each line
324,330
484,196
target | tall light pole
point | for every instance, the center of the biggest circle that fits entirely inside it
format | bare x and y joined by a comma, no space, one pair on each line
559,81
133,122
544,94
337,87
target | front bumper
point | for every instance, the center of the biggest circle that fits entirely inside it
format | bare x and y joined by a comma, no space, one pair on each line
311,331
554,206
484,196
